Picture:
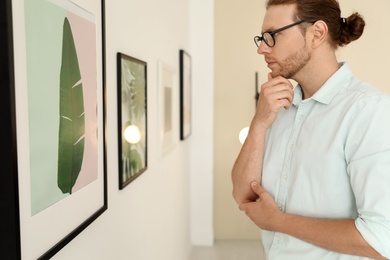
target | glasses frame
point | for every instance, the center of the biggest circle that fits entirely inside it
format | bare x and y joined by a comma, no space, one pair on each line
261,38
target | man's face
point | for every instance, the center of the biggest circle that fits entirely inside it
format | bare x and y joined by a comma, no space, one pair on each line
289,55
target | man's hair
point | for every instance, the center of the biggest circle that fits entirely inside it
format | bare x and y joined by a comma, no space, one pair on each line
341,31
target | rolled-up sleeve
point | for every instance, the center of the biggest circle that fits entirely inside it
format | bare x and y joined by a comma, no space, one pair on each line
367,151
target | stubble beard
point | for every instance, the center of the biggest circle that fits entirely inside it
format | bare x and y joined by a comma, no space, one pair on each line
290,66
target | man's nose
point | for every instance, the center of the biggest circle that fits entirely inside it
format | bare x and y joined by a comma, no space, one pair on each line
263,48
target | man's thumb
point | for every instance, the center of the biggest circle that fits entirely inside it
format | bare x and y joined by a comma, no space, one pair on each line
257,188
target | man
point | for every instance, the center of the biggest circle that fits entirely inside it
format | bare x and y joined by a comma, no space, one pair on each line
314,171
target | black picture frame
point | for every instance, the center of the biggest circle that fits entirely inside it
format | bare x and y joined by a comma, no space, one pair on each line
10,219
9,194
185,94
132,118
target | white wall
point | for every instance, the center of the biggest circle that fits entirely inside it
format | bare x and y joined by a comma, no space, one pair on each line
148,219
202,170
169,207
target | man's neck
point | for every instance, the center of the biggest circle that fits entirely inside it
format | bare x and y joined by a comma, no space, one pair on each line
315,74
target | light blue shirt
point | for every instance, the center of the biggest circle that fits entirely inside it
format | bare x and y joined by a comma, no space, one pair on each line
328,156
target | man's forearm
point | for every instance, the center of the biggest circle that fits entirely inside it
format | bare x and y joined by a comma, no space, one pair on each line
334,235
275,94
248,165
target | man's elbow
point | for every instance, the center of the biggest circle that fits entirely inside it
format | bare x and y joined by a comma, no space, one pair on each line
236,196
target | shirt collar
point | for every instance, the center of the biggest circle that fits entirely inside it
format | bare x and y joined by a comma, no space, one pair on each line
331,87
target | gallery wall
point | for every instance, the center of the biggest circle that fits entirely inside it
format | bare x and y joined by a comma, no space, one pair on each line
168,208
161,214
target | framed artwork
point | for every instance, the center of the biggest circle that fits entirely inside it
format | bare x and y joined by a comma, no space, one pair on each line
185,95
54,86
167,109
132,118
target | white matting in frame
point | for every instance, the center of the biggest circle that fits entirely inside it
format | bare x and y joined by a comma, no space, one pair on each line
168,110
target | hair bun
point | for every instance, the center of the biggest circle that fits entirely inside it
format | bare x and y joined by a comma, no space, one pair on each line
351,28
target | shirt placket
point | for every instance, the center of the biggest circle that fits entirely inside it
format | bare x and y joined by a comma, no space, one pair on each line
281,198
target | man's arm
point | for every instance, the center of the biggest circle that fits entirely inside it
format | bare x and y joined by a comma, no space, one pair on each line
248,165
338,235
275,94
334,235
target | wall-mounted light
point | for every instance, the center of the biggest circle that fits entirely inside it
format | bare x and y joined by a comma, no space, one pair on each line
243,134
132,134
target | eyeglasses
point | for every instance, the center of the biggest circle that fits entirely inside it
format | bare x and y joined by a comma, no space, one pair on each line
269,37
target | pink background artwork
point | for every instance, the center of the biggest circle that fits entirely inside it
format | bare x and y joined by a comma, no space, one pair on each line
84,34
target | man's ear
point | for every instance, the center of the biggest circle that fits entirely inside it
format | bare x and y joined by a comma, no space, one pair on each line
320,33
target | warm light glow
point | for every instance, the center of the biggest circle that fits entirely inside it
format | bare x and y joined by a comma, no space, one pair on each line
132,134
243,134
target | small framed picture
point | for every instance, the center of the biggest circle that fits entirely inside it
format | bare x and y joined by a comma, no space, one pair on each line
185,95
132,118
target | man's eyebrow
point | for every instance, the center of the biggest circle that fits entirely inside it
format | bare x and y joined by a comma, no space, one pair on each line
269,30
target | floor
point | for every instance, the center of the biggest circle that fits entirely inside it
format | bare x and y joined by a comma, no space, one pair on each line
229,250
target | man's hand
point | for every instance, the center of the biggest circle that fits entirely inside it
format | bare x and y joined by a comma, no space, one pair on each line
339,235
275,94
264,212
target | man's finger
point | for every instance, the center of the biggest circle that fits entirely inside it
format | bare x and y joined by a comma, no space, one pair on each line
243,206
257,188
269,76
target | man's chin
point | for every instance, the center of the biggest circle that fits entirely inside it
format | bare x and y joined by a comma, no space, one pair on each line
275,73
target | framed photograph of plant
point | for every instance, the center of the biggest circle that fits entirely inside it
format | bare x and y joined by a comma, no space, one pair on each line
54,84
132,118
185,95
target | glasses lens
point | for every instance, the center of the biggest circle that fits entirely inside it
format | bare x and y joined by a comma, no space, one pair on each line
268,39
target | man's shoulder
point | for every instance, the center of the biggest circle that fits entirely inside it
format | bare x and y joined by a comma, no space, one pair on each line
361,92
